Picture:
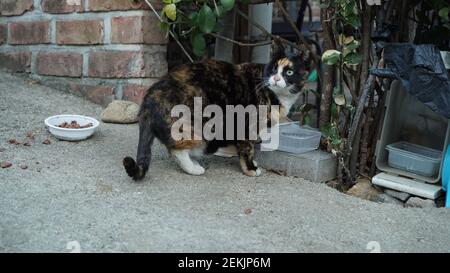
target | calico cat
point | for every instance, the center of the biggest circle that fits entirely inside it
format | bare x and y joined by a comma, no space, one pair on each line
217,83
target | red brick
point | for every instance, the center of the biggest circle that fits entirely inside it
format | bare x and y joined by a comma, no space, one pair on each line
80,32
99,94
3,34
16,61
136,30
62,6
134,92
126,64
23,33
108,5
15,7
60,64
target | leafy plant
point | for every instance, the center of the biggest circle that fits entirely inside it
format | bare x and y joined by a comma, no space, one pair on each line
193,20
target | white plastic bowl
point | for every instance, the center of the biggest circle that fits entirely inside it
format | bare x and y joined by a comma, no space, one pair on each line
71,134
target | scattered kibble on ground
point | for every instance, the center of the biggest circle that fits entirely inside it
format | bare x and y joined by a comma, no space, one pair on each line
23,166
13,141
5,164
46,141
248,211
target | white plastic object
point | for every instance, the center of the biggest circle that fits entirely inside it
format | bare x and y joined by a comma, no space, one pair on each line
71,134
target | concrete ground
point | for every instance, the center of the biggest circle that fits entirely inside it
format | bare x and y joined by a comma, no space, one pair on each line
80,192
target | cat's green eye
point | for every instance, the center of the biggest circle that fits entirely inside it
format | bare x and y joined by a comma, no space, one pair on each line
289,72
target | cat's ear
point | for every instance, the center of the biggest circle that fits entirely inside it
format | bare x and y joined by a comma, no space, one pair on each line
278,50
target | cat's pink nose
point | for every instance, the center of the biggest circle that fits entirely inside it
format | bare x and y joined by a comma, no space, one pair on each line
276,78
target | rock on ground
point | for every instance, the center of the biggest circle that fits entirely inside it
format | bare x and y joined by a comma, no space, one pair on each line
365,190
417,202
387,199
402,196
120,111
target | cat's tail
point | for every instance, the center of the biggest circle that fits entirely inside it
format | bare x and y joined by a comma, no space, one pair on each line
137,170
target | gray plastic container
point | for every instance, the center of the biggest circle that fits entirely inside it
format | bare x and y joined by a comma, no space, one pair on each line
297,139
407,119
414,158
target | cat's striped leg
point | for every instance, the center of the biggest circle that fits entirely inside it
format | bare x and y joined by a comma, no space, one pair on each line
186,163
248,164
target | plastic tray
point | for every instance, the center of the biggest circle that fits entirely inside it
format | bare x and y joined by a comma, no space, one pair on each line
414,158
296,139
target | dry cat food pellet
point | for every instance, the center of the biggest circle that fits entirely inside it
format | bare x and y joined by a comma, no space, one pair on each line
5,164
46,141
13,141
74,125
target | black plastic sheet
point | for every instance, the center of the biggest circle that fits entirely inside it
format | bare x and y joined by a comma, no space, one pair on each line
422,72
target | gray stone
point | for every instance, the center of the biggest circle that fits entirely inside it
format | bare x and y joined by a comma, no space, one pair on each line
365,190
387,199
402,196
417,202
120,111
316,166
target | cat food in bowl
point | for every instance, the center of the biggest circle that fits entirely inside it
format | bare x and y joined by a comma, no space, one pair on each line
71,127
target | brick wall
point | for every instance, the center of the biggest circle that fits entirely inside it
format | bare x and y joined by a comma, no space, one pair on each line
99,49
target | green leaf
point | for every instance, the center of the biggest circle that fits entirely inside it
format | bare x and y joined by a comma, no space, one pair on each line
339,100
352,59
167,2
336,142
170,11
334,111
307,120
444,12
164,27
206,19
193,19
220,11
353,45
331,57
352,19
227,4
199,44
176,1
326,130
349,39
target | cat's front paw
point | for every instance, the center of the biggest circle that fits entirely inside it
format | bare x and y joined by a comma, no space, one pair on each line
194,169
253,173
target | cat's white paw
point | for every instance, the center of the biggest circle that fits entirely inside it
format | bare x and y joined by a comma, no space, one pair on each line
253,173
195,169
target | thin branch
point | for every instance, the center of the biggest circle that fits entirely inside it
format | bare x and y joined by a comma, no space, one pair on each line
266,33
288,18
215,35
170,32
